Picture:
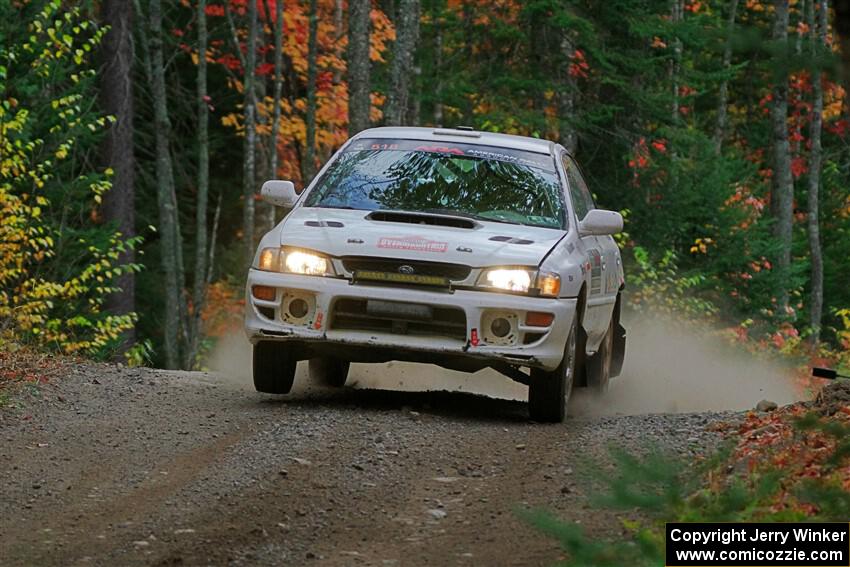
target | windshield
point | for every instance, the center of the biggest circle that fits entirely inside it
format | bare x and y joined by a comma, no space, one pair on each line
487,183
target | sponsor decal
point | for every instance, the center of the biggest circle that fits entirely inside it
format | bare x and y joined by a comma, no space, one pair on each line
319,317
440,149
413,279
413,243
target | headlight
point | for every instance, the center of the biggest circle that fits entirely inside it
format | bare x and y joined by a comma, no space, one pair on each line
509,279
521,280
295,261
307,263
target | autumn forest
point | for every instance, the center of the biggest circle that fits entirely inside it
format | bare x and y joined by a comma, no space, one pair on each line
134,138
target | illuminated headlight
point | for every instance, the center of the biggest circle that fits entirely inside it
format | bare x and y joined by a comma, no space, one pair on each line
295,261
521,280
509,279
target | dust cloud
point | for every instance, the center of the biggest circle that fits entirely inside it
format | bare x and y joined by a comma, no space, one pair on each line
673,367
669,368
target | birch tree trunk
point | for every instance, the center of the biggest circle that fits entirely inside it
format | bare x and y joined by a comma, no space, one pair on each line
199,290
783,183
308,164
407,35
723,97
250,142
278,88
359,87
818,42
117,98
168,227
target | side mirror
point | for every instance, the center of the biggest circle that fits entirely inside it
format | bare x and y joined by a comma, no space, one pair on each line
599,222
279,193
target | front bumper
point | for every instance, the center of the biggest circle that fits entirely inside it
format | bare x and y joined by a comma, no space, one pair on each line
539,347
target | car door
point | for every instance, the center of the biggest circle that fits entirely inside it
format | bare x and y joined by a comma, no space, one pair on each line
602,260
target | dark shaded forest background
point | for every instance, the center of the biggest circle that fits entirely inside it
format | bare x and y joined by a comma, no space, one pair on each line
134,137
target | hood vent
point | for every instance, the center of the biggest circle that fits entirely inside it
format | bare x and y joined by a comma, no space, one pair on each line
421,218
332,224
511,240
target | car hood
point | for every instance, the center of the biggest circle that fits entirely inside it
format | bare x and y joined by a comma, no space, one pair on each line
341,232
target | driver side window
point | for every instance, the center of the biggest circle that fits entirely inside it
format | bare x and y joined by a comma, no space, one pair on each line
581,197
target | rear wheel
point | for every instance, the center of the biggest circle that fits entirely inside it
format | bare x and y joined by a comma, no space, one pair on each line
329,371
599,365
274,367
548,392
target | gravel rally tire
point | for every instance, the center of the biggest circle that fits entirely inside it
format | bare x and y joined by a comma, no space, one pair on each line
274,368
329,371
549,392
599,365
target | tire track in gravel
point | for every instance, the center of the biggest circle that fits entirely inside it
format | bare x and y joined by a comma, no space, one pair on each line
350,477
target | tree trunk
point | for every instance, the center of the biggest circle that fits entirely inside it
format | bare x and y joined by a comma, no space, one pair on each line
359,104
783,183
407,34
723,97
340,33
676,15
278,88
168,219
818,42
566,95
437,18
117,98
250,142
199,291
308,165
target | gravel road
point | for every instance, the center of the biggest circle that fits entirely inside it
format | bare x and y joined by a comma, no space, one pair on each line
113,466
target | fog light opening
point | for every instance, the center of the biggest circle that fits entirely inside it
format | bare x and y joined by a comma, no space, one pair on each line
298,308
264,292
539,319
500,327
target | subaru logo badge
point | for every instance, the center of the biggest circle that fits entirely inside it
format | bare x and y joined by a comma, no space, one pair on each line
406,269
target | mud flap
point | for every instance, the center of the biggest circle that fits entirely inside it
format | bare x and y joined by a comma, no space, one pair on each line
619,354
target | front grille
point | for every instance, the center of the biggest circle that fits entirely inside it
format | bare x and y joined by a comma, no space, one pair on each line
453,272
352,314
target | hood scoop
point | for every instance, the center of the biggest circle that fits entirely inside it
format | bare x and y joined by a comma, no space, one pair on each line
511,240
422,218
318,224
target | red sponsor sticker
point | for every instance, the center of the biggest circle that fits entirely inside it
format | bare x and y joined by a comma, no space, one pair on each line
319,317
440,149
413,243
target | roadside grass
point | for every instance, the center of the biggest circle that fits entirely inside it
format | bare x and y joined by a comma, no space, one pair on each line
25,369
792,464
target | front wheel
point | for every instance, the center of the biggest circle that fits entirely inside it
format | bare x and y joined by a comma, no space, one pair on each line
549,392
274,367
329,371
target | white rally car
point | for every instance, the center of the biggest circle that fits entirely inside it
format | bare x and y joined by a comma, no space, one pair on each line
453,247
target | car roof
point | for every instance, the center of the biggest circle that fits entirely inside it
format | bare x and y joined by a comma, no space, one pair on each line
468,136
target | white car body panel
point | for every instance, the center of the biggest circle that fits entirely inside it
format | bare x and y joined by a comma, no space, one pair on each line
589,263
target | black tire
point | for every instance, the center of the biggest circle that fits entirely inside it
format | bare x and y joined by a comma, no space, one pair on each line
329,371
549,392
274,367
599,365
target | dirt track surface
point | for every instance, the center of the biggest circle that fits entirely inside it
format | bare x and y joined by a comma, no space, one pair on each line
112,466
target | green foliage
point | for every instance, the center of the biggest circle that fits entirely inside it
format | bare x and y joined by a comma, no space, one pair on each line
658,285
660,489
57,266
